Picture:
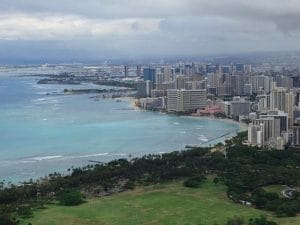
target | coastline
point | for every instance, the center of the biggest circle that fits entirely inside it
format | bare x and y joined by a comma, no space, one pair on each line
209,143
242,126
223,138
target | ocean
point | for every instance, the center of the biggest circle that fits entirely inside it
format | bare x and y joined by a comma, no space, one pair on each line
42,134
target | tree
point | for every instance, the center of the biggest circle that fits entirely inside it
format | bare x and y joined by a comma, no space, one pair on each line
261,221
194,182
216,180
236,221
285,209
24,211
5,219
70,198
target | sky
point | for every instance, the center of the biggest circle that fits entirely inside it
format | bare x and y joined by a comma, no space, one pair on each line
99,29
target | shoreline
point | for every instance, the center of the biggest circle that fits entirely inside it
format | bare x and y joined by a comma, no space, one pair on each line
242,126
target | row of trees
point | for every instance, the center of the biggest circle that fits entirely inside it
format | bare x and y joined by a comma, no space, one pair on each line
247,170
116,83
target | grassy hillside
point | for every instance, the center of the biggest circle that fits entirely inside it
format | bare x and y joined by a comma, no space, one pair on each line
165,204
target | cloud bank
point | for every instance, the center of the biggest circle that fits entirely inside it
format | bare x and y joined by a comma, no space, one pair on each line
156,27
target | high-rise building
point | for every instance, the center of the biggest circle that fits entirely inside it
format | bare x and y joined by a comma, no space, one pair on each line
248,69
261,82
290,103
149,87
185,100
239,107
281,116
237,83
138,70
281,99
263,103
214,80
248,89
141,89
144,88
210,68
189,70
278,99
167,71
126,71
157,103
262,132
159,79
256,135
296,133
149,74
177,101
225,70
296,136
240,68
180,82
284,81
168,85
270,130
195,85
158,93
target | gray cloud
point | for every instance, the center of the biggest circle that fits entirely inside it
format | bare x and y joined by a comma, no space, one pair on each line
140,27
277,11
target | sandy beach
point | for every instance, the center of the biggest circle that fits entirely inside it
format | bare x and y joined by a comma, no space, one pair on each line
243,126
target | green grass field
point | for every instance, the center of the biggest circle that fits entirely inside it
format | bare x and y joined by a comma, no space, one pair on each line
275,188
165,204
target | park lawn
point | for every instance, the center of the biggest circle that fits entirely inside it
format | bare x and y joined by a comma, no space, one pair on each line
275,188
162,204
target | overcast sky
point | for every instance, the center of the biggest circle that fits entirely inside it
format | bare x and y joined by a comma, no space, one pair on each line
112,28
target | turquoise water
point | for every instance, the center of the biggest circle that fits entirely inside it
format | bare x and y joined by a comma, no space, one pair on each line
40,133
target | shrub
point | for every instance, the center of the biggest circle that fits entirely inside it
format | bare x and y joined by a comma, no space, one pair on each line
261,221
6,219
70,198
194,182
235,221
129,185
285,209
24,211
